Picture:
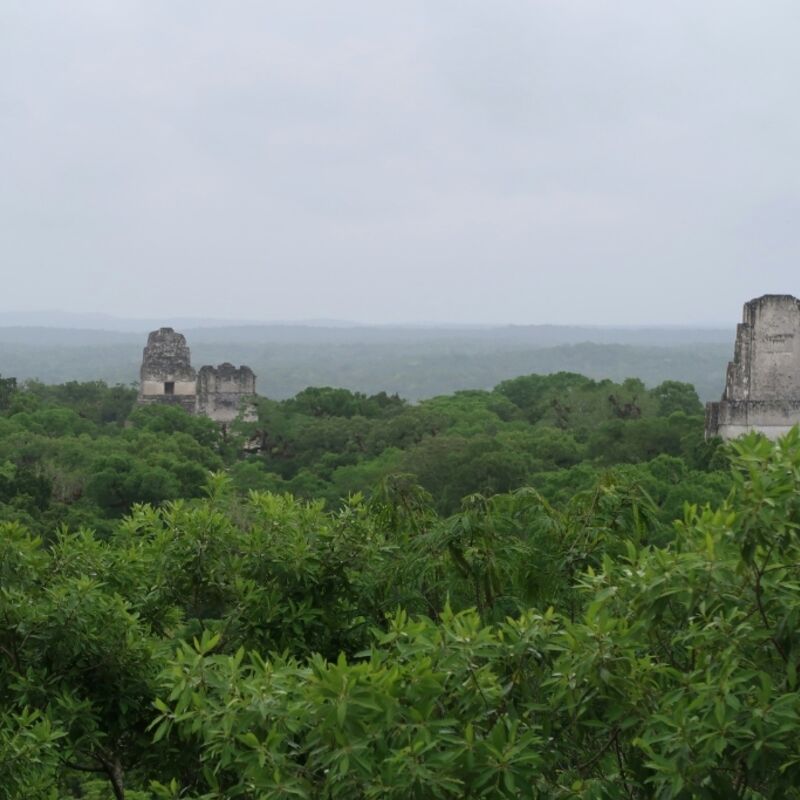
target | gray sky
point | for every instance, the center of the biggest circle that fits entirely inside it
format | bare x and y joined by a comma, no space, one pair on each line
567,161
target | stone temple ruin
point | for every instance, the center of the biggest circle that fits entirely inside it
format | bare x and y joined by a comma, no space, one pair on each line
762,389
168,377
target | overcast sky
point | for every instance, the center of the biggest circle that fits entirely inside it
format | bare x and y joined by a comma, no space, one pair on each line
567,161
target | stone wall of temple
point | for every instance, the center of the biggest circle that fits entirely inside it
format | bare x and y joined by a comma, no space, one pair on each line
223,391
167,377
762,389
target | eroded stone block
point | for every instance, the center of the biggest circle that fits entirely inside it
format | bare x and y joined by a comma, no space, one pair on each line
762,388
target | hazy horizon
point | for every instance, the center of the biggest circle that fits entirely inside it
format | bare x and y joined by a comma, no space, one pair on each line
587,163
59,319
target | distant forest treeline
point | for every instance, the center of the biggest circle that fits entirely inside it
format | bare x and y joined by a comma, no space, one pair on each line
414,362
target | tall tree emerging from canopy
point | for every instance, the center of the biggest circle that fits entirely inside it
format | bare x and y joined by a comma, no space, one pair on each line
8,388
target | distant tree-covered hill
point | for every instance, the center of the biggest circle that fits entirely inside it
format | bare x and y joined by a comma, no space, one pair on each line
415,362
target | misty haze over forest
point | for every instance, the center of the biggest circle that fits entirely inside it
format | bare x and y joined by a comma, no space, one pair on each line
414,361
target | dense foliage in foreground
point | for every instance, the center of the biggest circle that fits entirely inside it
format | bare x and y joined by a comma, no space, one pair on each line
170,632
265,648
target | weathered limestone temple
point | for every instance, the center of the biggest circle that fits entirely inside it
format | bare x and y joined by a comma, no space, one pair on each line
167,376
762,389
